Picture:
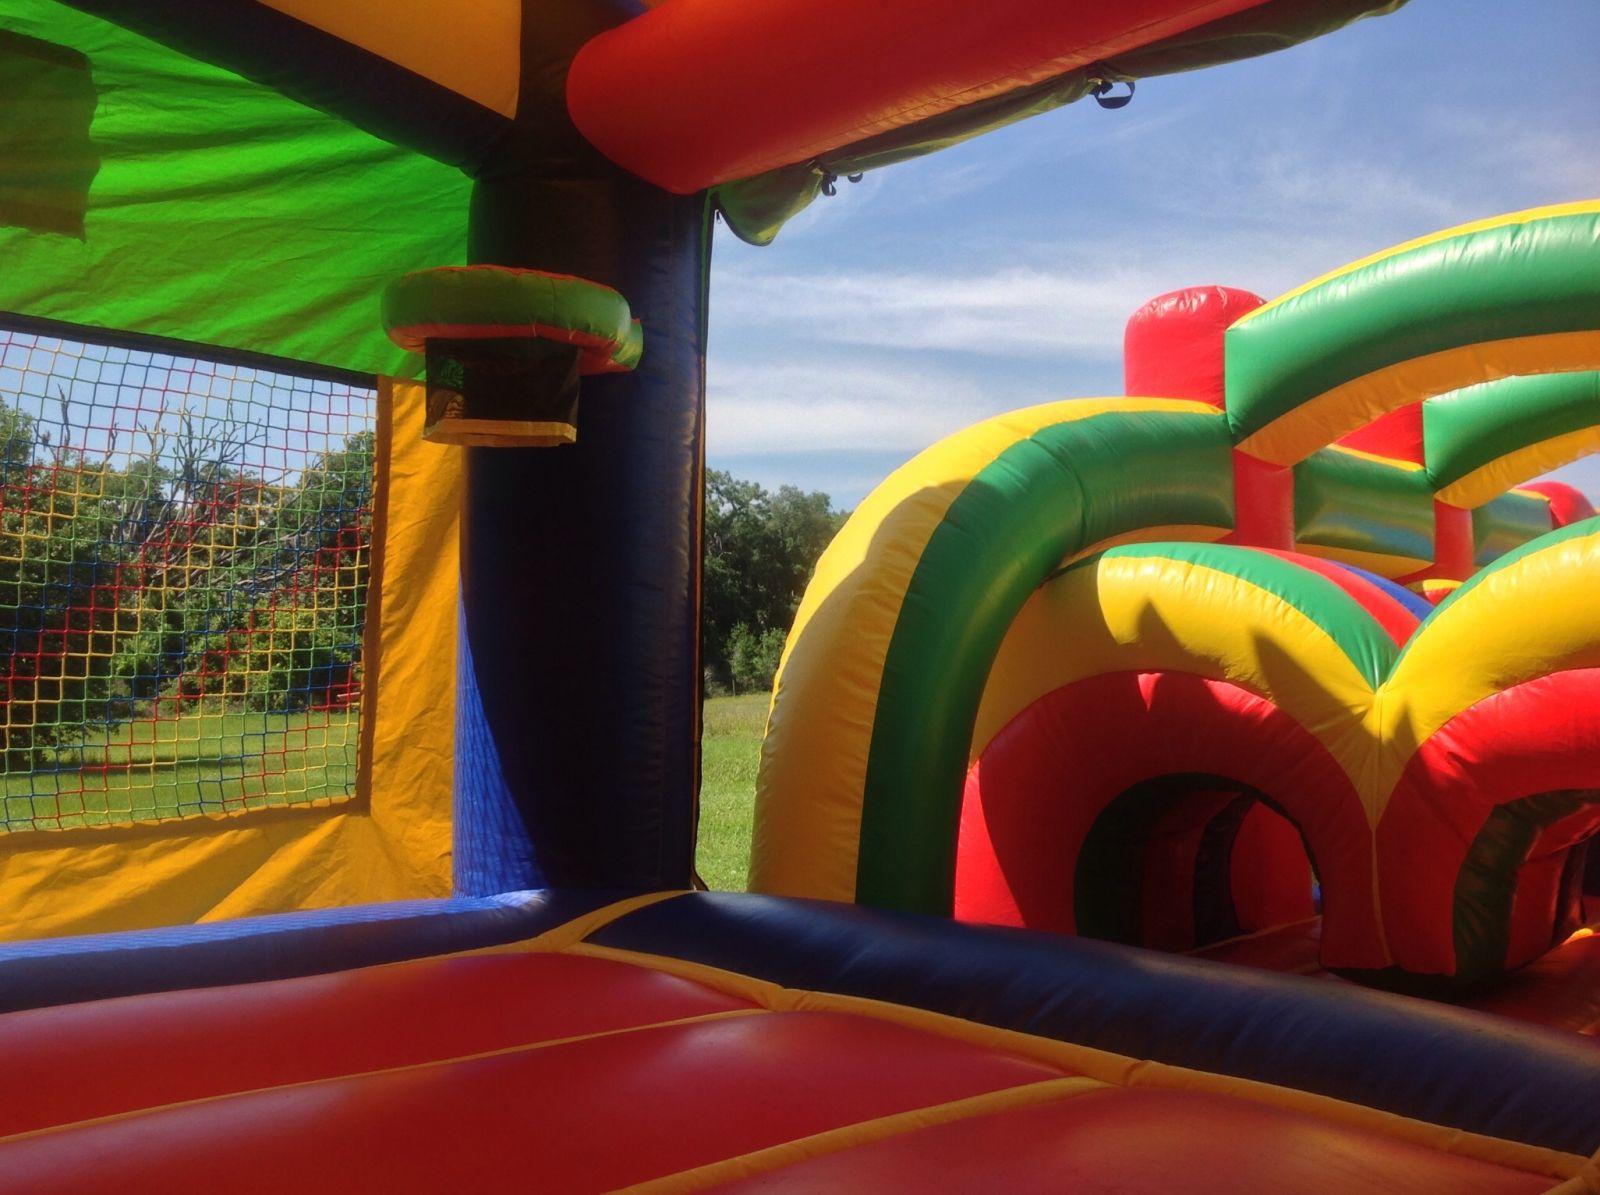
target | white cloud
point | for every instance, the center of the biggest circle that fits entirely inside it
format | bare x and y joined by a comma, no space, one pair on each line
861,335
790,407
1520,153
1264,216
1328,196
1013,310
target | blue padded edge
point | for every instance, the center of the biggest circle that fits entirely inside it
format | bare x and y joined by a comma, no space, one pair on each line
1414,602
1445,1065
250,949
493,849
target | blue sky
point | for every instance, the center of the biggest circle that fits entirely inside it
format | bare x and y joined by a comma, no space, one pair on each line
1000,273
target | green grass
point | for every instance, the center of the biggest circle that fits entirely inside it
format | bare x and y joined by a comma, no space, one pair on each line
201,762
730,750
167,768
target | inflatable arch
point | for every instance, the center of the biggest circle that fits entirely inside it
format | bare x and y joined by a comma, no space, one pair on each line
911,602
1499,297
1439,775
1484,440
902,670
1432,489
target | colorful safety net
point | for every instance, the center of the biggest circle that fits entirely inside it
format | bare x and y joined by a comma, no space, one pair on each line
184,554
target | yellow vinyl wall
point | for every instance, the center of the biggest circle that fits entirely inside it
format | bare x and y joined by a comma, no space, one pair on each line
389,839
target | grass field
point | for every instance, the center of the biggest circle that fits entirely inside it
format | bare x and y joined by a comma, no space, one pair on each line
730,750
202,762
216,762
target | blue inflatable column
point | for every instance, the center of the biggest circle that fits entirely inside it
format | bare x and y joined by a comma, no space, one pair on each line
578,713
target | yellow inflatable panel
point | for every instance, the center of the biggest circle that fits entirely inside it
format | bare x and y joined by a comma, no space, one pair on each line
388,840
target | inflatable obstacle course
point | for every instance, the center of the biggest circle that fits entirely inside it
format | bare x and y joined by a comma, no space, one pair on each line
1274,681
906,717
1161,669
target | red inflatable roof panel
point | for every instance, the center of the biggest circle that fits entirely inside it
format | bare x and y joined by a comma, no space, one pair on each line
699,92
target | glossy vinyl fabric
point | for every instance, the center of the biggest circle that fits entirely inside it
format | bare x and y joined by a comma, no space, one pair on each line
870,804
591,1115
1560,989
1397,435
1364,508
1364,499
1567,504
1486,438
82,1061
281,946
1117,1141
1145,665
698,92
1172,346
1330,658
1425,1061
882,673
1515,294
576,1069
873,708
578,673
1025,856
1463,759
1448,837
1507,522
1395,608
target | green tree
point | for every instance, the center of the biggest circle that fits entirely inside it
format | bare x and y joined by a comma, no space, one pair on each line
251,593
16,444
761,549
181,573
60,587
309,572
179,515
753,658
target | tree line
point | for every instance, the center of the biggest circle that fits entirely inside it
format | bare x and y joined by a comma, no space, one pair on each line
761,548
177,574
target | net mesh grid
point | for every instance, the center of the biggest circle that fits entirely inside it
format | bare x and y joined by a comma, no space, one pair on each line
184,549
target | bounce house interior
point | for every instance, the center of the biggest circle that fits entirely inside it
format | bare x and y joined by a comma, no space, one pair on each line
1185,790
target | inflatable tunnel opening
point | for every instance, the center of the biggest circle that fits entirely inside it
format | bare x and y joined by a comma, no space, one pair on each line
1536,848
1529,882
1180,862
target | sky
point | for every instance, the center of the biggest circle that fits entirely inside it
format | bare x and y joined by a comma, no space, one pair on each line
1000,273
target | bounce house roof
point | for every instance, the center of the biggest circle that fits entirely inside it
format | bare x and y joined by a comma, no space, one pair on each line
248,174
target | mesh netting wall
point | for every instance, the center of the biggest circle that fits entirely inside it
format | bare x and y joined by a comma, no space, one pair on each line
183,571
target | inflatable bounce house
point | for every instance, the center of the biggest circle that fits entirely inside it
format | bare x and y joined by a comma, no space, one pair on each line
1188,791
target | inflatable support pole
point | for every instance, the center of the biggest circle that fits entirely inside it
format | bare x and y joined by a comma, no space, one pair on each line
1173,349
577,721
